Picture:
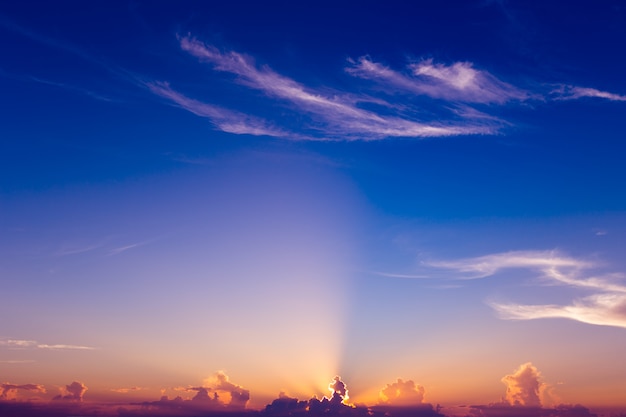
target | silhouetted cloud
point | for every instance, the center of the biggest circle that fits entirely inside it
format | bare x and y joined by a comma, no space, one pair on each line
507,410
402,393
339,388
209,397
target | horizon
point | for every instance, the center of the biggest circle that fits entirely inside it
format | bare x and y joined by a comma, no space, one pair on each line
249,199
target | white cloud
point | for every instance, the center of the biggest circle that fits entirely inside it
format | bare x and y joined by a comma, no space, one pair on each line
600,309
453,91
607,306
484,266
459,81
32,344
225,120
65,347
572,92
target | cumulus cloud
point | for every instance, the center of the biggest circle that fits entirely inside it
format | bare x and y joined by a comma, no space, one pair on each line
72,392
239,396
285,405
9,391
523,386
339,389
402,393
459,81
607,306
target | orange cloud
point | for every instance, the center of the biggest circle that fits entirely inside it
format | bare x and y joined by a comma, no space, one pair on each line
402,393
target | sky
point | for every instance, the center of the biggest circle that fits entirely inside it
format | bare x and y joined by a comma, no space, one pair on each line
424,199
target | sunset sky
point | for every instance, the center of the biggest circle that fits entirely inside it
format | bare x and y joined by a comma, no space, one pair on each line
257,196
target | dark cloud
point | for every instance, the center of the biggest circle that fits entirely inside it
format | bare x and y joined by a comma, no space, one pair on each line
402,393
339,388
507,410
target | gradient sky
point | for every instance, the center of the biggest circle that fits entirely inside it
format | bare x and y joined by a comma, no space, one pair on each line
289,191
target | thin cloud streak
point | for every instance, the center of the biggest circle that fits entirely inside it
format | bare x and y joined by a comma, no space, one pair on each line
571,92
32,344
607,307
225,120
456,82
65,347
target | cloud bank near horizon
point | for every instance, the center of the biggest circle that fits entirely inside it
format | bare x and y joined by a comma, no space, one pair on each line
526,394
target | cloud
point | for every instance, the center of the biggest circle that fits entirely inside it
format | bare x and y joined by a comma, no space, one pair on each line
33,344
19,344
126,390
523,386
224,120
484,266
606,307
239,396
336,116
339,389
459,81
65,347
72,392
335,405
571,92
599,309
9,391
402,393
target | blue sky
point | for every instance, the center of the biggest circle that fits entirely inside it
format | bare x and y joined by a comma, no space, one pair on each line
388,177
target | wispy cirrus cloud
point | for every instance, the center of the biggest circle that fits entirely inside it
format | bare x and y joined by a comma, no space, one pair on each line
459,81
32,344
572,92
334,116
599,309
224,120
65,347
607,306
